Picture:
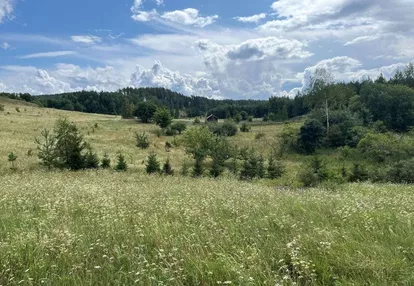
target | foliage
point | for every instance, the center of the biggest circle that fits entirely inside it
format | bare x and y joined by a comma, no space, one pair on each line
198,142
69,146
253,167
314,173
121,165
167,168
162,117
127,109
401,172
152,166
142,140
198,169
359,174
379,147
47,149
170,132
227,128
106,162
179,127
12,159
197,121
185,168
91,160
145,111
275,168
310,136
245,128
1,107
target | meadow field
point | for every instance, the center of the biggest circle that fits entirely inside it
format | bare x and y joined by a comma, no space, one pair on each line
109,228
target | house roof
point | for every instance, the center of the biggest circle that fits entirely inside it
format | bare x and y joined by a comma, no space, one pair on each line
212,116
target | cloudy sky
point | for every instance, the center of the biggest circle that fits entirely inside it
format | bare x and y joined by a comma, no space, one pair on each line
213,48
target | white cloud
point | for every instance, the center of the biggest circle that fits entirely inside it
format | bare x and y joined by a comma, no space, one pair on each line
189,16
251,19
145,16
362,39
5,46
160,76
49,55
6,8
2,87
86,39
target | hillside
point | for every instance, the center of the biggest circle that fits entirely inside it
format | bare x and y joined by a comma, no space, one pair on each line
86,227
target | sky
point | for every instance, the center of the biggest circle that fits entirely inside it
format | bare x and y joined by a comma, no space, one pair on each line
239,49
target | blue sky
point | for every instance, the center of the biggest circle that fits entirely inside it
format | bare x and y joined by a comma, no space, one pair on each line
214,48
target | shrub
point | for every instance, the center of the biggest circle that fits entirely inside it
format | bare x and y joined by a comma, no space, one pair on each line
91,160
185,169
313,174
159,133
167,168
145,111
1,107
179,127
106,162
216,169
379,147
197,121
245,128
401,172
253,167
359,174
225,129
170,132
121,164
12,159
47,149
237,118
198,169
310,135
152,166
142,140
168,146
162,117
250,118
275,169
69,145
18,109
244,115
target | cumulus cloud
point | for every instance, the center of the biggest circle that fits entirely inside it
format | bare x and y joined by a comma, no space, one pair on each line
251,19
6,8
48,55
5,46
86,39
190,17
159,76
268,48
362,39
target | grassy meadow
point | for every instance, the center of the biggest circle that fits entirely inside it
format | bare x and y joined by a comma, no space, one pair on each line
108,228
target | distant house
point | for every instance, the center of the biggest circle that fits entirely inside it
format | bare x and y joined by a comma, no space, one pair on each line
212,119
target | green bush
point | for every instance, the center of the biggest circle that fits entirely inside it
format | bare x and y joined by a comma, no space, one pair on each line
142,140
167,168
121,164
401,172
91,160
224,129
12,159
380,147
310,136
179,127
260,135
170,132
1,107
252,167
162,118
245,128
152,166
359,174
314,173
275,169
106,162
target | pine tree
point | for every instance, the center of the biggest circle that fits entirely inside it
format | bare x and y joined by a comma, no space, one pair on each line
106,162
167,168
47,149
91,160
275,169
198,168
142,140
152,166
216,169
185,169
121,164
261,171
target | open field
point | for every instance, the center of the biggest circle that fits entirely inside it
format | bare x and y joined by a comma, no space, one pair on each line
108,228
